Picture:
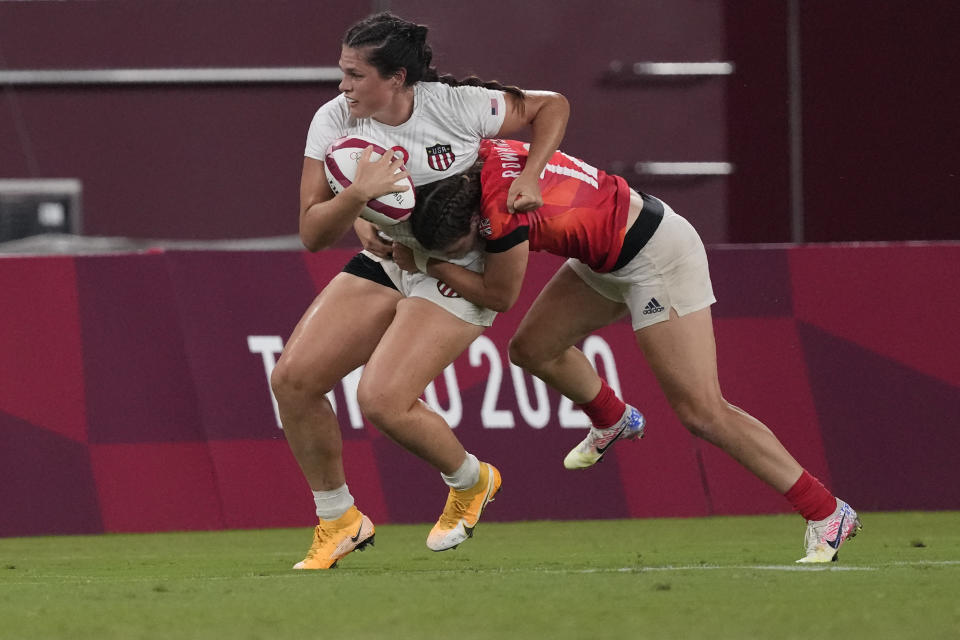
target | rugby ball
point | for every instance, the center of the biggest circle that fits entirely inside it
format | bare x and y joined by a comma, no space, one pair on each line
340,165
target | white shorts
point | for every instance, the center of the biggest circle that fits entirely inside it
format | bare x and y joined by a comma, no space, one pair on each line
420,285
669,272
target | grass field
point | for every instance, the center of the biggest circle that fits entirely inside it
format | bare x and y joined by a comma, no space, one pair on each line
730,577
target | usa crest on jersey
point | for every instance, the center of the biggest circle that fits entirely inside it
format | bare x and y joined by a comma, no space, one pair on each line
440,157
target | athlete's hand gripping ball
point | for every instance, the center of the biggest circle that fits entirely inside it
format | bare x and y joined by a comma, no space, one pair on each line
382,180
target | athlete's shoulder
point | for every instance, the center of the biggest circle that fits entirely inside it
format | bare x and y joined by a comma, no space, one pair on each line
480,109
329,122
449,92
335,109
504,146
434,95
495,221
505,158
494,174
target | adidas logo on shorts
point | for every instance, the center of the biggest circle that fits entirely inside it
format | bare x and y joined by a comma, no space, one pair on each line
652,307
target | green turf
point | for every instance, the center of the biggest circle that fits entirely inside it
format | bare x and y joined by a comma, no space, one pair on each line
671,578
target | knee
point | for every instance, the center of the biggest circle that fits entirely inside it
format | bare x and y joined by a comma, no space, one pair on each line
376,404
284,379
294,384
703,419
523,353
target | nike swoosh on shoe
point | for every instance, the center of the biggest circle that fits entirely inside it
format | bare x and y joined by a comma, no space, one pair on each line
835,543
612,440
357,537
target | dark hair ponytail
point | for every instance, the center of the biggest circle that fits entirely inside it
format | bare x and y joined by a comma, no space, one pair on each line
397,44
445,208
473,81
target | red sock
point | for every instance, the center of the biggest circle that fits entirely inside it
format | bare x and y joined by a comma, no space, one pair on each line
810,498
604,410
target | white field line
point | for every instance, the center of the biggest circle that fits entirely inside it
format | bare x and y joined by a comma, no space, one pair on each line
760,567
664,569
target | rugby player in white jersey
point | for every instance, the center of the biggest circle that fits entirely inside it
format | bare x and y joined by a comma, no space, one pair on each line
373,313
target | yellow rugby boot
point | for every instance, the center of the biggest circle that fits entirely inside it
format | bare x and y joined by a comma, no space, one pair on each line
333,539
463,509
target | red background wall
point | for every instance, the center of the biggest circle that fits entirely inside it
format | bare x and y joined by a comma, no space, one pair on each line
130,399
878,90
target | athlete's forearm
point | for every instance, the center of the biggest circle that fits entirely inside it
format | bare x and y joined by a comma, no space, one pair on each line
548,126
471,285
322,224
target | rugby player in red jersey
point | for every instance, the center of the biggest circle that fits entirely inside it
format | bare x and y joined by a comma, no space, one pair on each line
628,253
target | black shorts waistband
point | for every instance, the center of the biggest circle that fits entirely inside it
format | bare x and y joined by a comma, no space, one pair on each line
365,267
642,230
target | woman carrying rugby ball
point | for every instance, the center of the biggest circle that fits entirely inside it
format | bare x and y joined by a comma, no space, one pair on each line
373,313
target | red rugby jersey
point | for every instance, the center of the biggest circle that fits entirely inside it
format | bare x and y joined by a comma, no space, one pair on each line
584,212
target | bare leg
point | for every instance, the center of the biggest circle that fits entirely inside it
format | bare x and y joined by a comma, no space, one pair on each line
336,334
422,339
543,343
682,355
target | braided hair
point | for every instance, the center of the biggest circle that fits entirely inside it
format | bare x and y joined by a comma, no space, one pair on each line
445,209
395,43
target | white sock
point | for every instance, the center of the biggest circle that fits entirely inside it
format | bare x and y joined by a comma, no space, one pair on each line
466,476
333,504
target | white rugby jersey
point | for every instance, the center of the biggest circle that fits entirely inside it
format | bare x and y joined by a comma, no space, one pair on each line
440,139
